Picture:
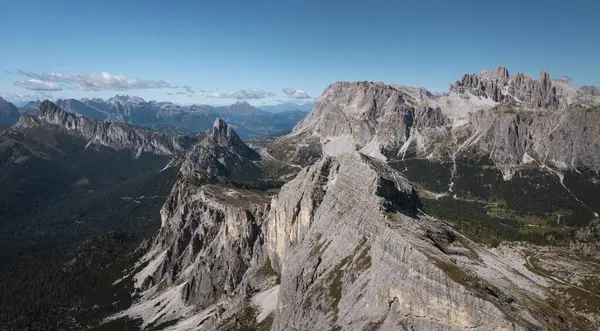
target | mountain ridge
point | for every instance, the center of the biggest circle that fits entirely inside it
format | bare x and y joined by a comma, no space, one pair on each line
109,134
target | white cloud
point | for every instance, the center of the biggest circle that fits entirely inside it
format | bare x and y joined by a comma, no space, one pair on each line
38,85
241,94
90,81
18,97
293,93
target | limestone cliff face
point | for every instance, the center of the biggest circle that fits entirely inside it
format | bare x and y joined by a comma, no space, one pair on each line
512,137
366,116
113,135
208,240
354,255
361,110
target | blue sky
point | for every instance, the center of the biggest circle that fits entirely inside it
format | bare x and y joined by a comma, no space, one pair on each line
226,50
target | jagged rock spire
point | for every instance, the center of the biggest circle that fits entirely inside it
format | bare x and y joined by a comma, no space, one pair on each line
222,153
501,72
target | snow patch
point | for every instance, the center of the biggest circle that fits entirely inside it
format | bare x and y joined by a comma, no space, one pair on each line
266,302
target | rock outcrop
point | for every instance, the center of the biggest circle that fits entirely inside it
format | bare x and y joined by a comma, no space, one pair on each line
113,135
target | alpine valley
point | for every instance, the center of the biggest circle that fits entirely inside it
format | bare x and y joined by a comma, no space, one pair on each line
386,208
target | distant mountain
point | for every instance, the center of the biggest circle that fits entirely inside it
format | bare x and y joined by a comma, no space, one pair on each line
118,136
30,107
80,108
8,112
249,121
287,106
240,108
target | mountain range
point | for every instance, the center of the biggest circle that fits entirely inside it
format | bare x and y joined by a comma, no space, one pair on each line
250,121
386,208
406,211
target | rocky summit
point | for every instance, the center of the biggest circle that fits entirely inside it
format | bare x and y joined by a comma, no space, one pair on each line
222,153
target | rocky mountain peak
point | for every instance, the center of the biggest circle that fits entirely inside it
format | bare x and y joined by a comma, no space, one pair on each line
241,107
347,230
544,77
222,153
48,109
125,99
219,125
223,135
591,90
368,116
500,72
242,103
5,104
501,87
